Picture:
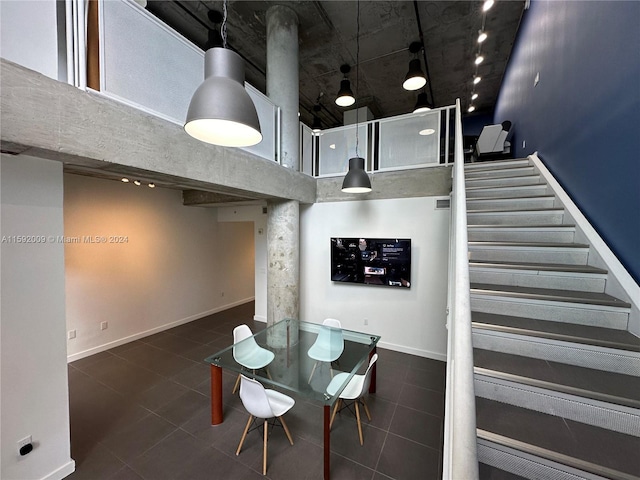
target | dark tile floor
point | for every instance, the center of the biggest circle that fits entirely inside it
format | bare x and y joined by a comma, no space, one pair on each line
142,411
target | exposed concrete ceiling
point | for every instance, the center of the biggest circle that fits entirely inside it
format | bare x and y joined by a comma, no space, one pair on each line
328,32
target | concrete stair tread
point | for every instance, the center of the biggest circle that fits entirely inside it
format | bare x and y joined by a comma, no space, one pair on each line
591,383
517,210
510,199
590,298
547,267
503,187
594,445
551,226
481,243
585,334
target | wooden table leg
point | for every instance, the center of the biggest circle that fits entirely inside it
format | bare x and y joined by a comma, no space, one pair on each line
216,395
327,442
372,385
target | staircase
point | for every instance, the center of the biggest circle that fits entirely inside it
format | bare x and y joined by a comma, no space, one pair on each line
557,374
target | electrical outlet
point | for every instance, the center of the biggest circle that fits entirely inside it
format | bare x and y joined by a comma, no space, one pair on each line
366,321
71,334
104,325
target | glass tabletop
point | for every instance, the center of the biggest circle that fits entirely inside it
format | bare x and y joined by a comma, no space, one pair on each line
306,357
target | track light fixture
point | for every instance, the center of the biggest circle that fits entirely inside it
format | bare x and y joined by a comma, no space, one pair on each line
221,111
415,79
345,96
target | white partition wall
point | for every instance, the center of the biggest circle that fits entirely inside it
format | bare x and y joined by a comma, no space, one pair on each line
410,320
33,353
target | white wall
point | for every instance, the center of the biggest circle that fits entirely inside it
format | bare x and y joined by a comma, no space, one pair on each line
409,320
29,35
253,214
33,382
174,263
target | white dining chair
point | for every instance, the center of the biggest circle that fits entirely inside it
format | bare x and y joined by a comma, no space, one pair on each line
329,344
248,353
355,390
266,404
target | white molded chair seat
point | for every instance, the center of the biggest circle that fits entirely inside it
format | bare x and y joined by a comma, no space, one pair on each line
355,390
263,403
248,353
329,343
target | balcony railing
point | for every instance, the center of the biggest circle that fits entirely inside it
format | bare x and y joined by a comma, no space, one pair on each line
407,141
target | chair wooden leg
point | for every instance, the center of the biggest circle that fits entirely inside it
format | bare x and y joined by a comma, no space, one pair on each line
366,409
359,424
335,410
286,429
235,387
312,371
244,434
264,449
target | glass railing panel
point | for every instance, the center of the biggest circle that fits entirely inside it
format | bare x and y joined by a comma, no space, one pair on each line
338,145
306,149
409,141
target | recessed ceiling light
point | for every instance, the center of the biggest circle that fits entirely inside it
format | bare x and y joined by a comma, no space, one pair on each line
487,5
152,185
125,180
136,182
482,36
471,109
476,80
479,59
474,96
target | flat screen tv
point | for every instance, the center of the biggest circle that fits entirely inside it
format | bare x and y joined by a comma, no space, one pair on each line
371,261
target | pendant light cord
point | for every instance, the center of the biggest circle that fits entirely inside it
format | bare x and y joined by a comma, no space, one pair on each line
357,72
223,27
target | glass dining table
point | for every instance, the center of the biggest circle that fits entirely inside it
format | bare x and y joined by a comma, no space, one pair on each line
293,371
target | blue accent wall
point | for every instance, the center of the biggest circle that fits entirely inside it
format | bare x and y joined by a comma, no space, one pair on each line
583,117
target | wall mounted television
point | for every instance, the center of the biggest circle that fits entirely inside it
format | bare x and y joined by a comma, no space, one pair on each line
371,261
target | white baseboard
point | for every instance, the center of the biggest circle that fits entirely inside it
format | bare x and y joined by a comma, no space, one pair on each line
413,351
62,472
116,343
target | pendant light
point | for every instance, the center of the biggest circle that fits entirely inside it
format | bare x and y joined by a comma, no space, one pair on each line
357,180
221,111
422,104
414,79
345,96
316,126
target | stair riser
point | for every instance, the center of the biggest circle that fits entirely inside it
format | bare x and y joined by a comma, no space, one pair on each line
535,255
503,235
537,279
524,218
528,466
500,173
592,412
507,192
597,358
493,165
511,204
564,312
502,182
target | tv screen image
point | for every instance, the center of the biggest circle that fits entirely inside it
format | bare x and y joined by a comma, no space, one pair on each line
371,261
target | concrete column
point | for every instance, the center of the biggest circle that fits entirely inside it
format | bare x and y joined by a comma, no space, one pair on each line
282,79
283,261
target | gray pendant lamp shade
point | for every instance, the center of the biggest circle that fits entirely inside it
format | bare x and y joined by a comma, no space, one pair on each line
356,180
345,96
415,79
422,104
221,111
